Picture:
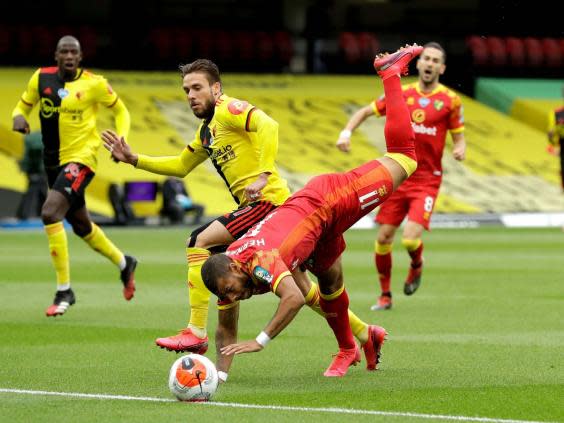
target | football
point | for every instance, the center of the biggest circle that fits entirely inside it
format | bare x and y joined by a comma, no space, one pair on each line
193,377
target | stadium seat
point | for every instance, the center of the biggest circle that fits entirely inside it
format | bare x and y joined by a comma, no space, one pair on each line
5,40
552,53
478,50
534,51
88,40
515,51
283,47
349,47
265,48
225,47
369,46
182,42
497,51
160,40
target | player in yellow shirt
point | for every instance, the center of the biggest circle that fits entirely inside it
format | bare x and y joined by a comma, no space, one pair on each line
556,136
242,142
68,98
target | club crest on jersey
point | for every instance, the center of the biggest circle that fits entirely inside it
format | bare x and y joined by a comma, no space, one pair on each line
424,101
262,275
237,107
439,104
418,116
62,93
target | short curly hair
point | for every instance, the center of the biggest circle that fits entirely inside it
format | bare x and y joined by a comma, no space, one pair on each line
214,268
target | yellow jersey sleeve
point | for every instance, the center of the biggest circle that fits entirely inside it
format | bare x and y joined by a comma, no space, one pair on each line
266,141
180,165
104,92
29,98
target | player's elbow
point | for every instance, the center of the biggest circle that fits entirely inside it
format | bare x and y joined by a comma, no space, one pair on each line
296,301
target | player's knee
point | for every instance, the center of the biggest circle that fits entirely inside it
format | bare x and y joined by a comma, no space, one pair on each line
410,244
383,248
81,229
49,214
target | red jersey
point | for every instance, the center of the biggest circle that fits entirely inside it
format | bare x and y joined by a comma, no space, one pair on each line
308,228
432,115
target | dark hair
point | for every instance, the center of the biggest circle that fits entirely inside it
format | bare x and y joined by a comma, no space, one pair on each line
435,45
215,267
204,66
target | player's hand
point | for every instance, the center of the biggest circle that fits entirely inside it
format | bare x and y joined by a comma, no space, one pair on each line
344,144
242,347
253,192
116,145
459,153
20,125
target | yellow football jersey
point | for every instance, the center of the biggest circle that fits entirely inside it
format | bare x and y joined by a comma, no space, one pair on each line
67,111
241,141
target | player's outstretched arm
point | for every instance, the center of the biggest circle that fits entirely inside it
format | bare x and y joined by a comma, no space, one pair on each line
291,301
344,141
226,334
118,147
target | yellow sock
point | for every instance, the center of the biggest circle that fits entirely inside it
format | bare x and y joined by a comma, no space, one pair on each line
358,327
198,293
411,244
59,250
98,241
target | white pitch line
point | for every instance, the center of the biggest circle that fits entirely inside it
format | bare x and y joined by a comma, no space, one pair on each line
274,407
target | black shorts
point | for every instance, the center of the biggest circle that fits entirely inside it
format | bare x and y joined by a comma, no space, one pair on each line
240,221
70,180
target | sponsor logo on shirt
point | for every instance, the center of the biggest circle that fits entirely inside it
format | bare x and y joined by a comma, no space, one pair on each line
418,115
422,129
47,109
237,107
424,101
262,275
222,154
62,93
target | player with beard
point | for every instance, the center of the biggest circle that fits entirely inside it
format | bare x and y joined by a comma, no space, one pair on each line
242,142
68,98
434,110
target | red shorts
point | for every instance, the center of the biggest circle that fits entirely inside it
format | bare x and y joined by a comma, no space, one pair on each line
309,227
414,200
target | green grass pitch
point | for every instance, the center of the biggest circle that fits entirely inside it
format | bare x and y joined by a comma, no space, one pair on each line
482,338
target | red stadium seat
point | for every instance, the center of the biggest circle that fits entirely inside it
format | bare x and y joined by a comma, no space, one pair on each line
369,46
552,53
182,39
225,47
283,46
265,47
478,49
161,41
5,39
515,51
497,51
349,47
88,41
534,51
